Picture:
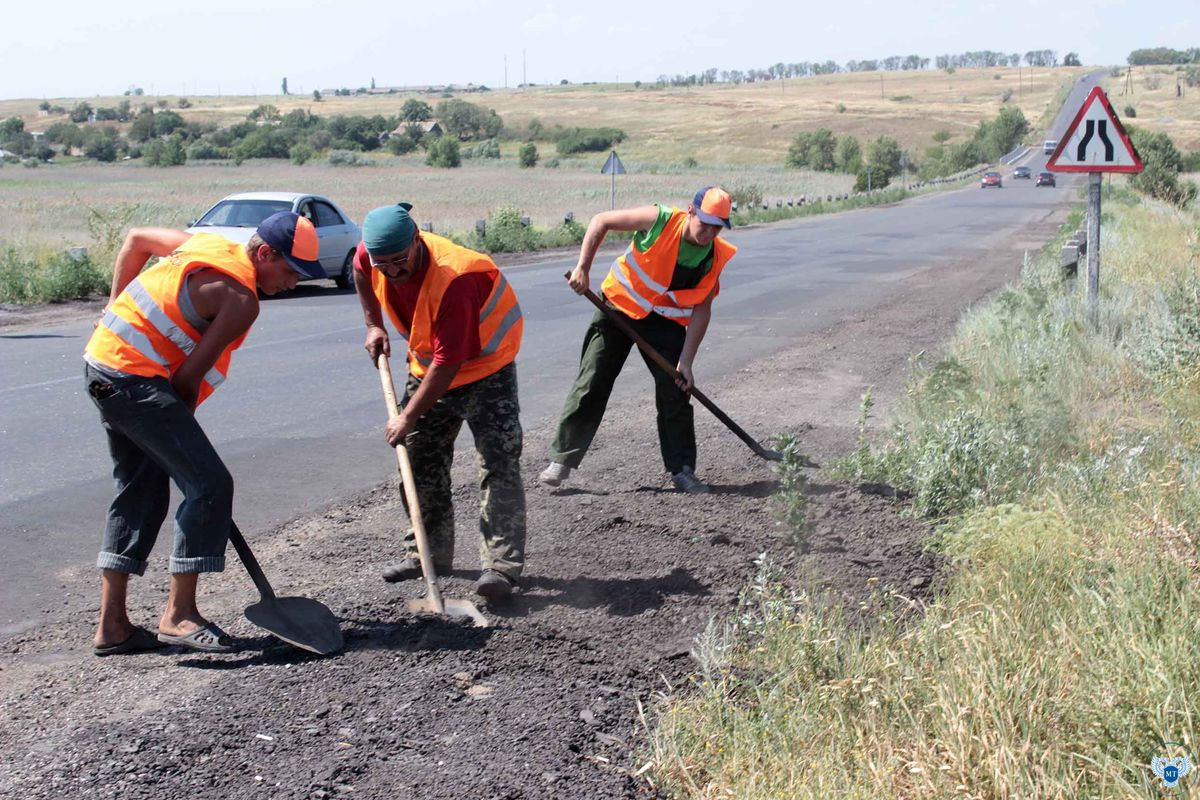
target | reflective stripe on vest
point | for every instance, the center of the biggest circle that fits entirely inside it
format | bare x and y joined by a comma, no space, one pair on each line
638,283
500,320
158,318
674,312
145,331
492,344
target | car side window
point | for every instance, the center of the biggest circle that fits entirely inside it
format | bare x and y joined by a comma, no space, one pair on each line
327,215
306,211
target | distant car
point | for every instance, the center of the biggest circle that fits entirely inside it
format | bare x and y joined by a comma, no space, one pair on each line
1049,145
1045,179
991,179
236,216
1022,172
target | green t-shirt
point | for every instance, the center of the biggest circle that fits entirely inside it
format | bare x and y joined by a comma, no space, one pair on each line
693,261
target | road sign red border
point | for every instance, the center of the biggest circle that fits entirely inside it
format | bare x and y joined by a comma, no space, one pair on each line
1117,126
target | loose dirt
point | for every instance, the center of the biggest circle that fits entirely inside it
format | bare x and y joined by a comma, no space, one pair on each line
554,699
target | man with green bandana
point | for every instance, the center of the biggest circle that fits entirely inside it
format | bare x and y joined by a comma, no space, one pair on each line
463,326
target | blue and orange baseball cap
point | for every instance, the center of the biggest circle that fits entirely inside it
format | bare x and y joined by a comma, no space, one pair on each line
296,238
713,205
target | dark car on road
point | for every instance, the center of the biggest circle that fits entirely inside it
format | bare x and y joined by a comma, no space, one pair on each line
991,179
1045,179
1022,172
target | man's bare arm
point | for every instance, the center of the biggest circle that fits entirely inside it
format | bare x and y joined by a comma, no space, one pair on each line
641,218
140,245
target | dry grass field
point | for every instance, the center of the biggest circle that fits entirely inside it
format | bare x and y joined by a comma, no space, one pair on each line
48,206
1158,106
737,134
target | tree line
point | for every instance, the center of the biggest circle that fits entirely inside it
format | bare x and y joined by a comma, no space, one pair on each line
162,137
808,69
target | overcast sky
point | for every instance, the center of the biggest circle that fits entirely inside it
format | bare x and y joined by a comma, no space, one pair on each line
70,48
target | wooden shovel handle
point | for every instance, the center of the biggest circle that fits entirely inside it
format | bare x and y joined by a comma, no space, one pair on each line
410,488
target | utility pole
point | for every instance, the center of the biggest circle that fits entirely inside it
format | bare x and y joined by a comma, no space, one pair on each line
881,86
524,74
506,70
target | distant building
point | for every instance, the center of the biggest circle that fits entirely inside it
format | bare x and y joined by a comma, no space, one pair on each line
429,126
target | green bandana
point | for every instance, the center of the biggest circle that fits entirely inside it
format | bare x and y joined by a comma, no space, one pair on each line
388,229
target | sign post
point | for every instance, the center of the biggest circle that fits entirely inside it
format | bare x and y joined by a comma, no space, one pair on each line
613,167
1095,143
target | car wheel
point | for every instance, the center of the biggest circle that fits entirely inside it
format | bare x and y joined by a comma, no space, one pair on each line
345,278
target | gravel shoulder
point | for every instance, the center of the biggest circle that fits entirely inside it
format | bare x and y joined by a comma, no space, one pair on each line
554,699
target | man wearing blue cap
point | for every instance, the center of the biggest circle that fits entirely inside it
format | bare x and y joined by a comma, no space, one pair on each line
664,284
163,345
463,327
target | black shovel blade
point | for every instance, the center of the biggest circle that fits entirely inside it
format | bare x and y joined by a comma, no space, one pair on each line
299,621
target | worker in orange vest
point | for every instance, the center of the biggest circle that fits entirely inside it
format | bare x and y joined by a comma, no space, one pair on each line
162,346
463,326
664,284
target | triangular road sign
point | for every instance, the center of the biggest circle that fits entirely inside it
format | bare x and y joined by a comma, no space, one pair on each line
613,166
1095,141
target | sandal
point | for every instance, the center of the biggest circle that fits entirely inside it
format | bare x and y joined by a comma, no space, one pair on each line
140,641
209,639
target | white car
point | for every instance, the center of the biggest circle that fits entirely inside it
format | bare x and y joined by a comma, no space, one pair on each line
236,216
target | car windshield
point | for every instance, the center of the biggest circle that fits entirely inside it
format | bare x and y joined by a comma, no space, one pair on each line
991,175
242,213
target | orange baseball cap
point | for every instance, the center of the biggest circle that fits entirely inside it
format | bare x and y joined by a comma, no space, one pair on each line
713,205
295,237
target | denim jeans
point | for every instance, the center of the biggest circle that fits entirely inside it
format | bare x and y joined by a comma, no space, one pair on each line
154,438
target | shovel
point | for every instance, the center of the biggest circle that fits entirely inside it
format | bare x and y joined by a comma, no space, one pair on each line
432,602
299,621
760,451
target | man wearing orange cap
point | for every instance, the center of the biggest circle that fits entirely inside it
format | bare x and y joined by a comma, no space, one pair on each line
163,345
664,283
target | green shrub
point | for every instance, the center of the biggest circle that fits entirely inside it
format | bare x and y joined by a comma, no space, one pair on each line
849,155
588,140
347,158
551,164
300,154
444,153
164,153
488,148
206,150
33,278
528,155
506,233
401,143
690,163
747,196
465,121
1130,111
1163,161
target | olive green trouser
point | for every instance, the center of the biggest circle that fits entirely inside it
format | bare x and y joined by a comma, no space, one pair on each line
490,409
605,349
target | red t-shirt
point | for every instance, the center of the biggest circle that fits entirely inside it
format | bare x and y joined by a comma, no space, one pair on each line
456,324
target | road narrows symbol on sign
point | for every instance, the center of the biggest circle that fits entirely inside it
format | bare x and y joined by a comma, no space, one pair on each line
1095,141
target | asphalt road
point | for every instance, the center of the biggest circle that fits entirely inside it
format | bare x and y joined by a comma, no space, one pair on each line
299,422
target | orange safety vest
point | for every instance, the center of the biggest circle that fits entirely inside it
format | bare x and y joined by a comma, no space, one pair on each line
145,332
639,283
500,321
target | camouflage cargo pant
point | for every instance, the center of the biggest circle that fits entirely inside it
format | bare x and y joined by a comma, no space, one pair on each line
489,407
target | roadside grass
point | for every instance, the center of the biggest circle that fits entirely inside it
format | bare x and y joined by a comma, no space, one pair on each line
1062,461
48,277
